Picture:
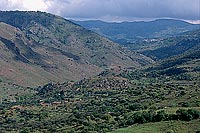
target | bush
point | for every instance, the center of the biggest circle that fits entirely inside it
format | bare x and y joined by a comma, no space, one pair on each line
172,117
161,116
194,113
182,114
187,115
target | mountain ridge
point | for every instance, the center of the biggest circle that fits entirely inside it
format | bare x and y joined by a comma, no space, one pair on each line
121,33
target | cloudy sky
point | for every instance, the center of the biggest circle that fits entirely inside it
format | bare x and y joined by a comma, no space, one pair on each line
111,10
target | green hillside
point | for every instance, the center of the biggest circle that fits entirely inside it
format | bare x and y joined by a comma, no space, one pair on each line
56,76
146,99
164,48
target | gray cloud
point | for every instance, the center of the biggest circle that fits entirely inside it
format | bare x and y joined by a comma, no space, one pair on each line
114,9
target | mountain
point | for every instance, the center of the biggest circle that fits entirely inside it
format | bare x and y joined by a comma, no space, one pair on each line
168,47
129,32
38,47
25,62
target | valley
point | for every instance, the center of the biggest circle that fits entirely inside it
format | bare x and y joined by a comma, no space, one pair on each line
56,76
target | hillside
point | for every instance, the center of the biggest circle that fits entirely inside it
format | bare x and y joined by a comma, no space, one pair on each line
168,47
129,32
182,70
190,60
140,99
22,63
162,97
38,47
86,83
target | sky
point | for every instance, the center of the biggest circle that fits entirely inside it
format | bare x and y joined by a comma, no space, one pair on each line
111,10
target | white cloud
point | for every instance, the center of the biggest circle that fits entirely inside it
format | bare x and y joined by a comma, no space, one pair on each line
35,5
116,9
180,9
30,5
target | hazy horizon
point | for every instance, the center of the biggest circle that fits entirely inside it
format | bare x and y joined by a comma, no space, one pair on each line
146,20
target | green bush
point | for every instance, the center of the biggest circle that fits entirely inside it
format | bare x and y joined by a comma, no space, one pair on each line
187,115
161,116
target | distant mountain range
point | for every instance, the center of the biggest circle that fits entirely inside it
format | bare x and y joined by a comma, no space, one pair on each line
128,32
157,39
38,47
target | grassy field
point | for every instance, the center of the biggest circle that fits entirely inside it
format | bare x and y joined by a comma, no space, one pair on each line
163,127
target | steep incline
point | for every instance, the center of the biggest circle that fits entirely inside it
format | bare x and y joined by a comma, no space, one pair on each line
37,47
